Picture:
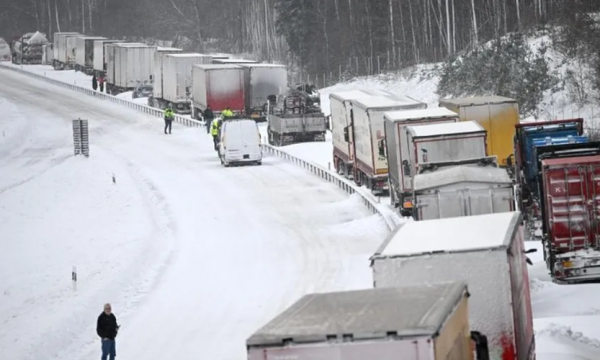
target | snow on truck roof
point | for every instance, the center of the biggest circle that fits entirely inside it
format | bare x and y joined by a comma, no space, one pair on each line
261,65
218,66
462,127
403,115
188,55
372,313
162,48
478,100
382,102
458,174
348,95
459,234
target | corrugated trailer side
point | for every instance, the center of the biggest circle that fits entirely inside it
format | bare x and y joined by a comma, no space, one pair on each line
462,191
59,45
262,80
133,64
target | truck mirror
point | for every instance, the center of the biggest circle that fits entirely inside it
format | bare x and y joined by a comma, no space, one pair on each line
346,134
530,251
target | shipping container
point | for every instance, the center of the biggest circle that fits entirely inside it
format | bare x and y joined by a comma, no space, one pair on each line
177,79
443,142
60,49
158,85
84,53
498,115
99,61
229,61
396,149
409,323
262,81
485,251
219,86
370,166
463,191
529,137
569,178
128,65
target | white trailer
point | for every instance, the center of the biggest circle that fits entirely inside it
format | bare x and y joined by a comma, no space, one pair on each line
370,167
463,191
397,152
340,104
485,251
261,82
218,86
221,61
408,323
128,65
64,56
84,53
443,143
177,79
156,100
99,61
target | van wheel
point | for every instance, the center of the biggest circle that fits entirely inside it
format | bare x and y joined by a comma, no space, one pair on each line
259,163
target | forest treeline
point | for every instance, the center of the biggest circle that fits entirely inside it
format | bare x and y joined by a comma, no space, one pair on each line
328,39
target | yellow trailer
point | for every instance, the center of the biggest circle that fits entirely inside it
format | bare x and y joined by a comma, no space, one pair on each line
497,115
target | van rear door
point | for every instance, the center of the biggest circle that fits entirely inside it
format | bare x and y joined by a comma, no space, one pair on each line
251,139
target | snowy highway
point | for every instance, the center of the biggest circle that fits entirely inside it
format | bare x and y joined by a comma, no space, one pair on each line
193,256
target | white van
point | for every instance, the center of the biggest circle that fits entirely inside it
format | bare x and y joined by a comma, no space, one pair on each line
240,143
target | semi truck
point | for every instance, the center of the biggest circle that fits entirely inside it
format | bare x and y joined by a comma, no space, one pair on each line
569,204
410,323
220,86
64,50
498,115
47,54
395,148
528,138
157,98
294,118
367,129
464,190
262,81
128,65
29,48
177,80
100,59
340,104
84,53
485,251
443,143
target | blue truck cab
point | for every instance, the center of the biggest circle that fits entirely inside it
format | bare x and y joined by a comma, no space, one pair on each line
528,138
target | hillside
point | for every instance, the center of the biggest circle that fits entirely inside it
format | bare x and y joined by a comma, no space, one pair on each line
572,96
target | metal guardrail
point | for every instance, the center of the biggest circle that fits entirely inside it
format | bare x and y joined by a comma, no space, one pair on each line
391,219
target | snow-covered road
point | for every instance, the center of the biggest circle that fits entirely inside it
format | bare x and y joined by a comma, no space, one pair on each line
218,251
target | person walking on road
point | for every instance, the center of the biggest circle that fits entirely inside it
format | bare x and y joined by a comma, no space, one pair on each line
169,116
214,131
107,329
101,83
208,118
94,83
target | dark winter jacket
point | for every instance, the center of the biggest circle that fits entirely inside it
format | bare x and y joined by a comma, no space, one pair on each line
208,114
107,326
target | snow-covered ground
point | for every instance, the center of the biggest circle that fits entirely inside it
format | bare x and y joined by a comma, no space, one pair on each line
194,257
186,303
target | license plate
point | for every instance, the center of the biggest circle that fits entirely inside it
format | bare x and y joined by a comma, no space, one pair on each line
246,156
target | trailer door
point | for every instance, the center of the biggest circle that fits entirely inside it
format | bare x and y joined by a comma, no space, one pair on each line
573,205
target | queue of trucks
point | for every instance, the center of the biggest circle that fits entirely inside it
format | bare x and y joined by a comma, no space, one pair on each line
190,82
